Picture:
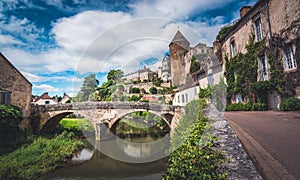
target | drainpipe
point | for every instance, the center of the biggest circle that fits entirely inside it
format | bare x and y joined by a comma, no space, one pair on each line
269,23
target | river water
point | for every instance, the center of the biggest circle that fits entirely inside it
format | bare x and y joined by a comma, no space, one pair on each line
129,158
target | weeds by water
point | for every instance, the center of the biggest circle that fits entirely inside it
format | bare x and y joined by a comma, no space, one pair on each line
42,156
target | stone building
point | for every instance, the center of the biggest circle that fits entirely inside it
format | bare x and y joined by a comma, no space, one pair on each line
179,46
140,75
181,55
166,69
200,52
15,89
210,73
44,99
275,24
65,99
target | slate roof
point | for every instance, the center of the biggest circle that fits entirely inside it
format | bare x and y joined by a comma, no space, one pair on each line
181,41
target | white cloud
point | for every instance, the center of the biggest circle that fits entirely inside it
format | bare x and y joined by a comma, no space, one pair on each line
97,41
175,9
53,78
74,34
56,60
46,88
22,28
6,40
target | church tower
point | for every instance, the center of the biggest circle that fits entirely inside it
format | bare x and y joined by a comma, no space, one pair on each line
178,48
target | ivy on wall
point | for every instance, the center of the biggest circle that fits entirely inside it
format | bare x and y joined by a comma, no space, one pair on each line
241,71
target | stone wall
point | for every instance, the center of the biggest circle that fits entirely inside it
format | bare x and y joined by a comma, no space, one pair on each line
11,80
178,74
280,23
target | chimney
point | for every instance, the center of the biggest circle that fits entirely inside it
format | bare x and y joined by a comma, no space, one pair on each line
244,10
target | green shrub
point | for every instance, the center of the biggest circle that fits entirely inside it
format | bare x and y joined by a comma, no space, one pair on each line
236,107
153,90
11,135
204,92
290,104
259,106
196,158
42,156
135,90
246,107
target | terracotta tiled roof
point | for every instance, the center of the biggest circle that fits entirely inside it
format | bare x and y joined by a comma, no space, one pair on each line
43,96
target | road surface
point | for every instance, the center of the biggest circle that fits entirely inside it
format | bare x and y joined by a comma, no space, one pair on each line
277,132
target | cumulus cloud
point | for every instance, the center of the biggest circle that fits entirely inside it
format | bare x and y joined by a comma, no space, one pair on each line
75,33
7,40
46,88
22,28
176,9
97,41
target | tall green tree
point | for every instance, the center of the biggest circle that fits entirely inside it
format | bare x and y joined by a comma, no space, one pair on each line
88,87
114,75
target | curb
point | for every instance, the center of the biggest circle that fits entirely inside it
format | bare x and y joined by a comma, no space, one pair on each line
264,161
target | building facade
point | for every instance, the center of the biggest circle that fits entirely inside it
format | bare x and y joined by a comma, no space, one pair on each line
140,75
179,46
15,89
166,69
274,26
44,99
185,96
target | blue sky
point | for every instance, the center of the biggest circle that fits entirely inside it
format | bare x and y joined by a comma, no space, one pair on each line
56,43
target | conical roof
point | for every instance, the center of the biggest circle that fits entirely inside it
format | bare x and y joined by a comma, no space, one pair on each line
180,40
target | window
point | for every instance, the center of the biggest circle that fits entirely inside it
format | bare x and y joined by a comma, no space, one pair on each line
47,102
186,98
182,98
263,68
5,97
232,48
258,29
289,60
210,79
195,91
238,98
178,98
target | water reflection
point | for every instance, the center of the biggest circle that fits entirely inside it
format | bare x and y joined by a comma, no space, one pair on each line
101,166
84,155
136,150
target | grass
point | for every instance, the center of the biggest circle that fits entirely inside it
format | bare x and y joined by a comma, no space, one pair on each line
75,124
41,156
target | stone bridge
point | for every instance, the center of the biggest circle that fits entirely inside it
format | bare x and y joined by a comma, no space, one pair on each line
103,113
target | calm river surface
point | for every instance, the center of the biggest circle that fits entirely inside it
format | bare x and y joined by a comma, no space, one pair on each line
137,155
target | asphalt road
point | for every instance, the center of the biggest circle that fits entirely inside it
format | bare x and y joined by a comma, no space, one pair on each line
277,132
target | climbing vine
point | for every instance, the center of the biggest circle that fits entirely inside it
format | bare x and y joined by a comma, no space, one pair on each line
241,71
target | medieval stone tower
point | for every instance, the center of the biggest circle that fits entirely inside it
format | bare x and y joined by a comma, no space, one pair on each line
178,48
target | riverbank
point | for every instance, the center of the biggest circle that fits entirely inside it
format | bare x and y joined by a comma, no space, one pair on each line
194,153
39,157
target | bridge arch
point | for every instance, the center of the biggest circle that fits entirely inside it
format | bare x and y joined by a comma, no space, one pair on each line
103,112
49,125
167,118
52,122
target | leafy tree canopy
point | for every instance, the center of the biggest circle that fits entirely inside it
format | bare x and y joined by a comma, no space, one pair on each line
88,87
114,75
